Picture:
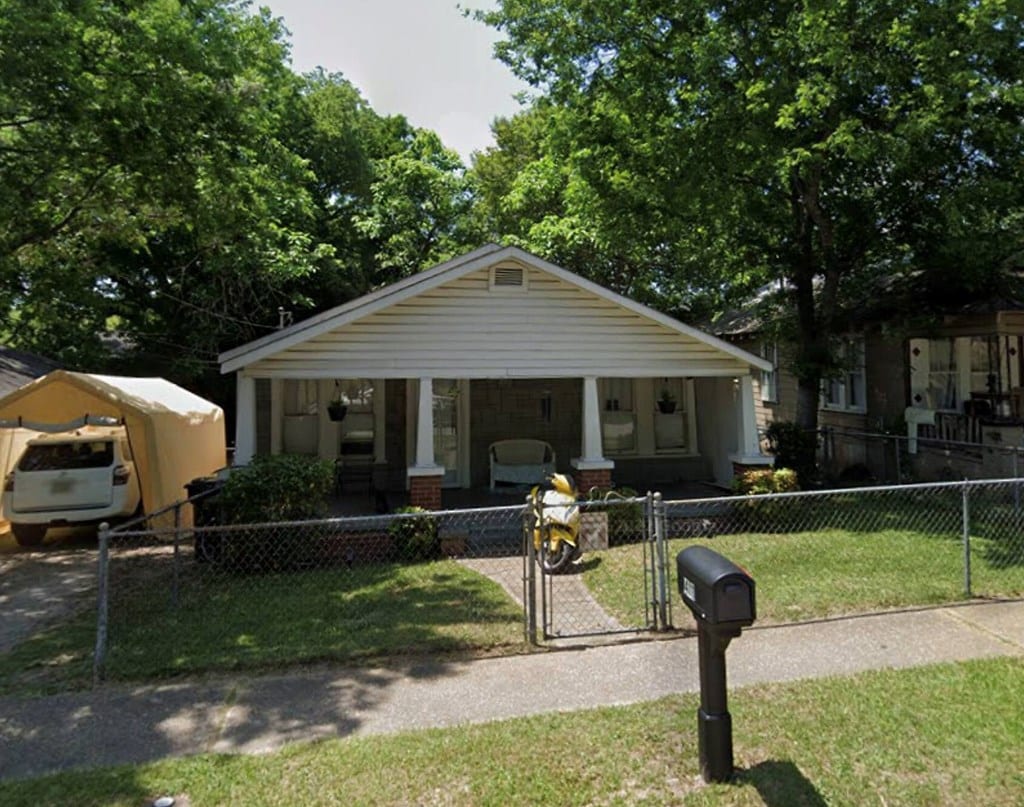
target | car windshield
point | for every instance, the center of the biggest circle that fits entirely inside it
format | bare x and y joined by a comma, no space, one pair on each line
64,456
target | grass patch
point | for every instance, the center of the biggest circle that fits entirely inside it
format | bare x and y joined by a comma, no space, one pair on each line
803,575
932,735
225,621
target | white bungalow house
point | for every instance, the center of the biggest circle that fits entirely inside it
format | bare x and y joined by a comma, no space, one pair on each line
495,345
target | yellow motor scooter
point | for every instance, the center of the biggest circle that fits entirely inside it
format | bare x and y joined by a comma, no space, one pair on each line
557,524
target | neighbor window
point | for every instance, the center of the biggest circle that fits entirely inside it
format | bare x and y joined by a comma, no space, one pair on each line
848,391
948,371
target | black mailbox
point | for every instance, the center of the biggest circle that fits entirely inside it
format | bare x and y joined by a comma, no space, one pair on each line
721,596
718,591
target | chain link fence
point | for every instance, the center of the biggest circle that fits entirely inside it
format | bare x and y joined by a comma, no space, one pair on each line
851,456
819,554
180,593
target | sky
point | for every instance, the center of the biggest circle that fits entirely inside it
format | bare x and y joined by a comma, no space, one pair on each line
418,58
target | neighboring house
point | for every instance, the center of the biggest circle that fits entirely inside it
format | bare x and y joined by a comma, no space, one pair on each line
499,344
17,368
957,383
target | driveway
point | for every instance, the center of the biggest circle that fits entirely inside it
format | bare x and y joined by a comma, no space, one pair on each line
38,587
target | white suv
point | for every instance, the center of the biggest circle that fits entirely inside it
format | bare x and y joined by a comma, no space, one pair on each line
83,477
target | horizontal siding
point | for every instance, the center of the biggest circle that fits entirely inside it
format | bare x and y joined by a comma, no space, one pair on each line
464,329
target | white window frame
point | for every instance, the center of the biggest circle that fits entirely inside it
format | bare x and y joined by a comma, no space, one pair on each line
853,376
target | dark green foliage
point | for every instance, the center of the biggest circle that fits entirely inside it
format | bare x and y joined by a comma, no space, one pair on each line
699,150
280,487
796,448
625,517
770,480
414,532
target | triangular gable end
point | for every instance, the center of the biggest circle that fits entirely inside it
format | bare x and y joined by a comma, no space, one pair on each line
480,317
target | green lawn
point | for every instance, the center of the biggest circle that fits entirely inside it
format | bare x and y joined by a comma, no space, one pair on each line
227,621
803,575
928,736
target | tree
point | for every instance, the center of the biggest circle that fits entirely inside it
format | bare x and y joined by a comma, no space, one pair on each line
820,143
420,213
146,183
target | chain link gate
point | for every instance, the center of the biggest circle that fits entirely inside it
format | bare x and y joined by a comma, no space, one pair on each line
560,606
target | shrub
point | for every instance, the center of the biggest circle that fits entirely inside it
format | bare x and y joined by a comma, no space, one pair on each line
794,447
625,519
414,532
281,487
769,480
759,515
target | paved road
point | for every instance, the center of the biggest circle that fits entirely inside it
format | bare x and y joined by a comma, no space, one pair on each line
257,714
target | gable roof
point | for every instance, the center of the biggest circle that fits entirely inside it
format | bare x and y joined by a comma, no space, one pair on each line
17,368
418,284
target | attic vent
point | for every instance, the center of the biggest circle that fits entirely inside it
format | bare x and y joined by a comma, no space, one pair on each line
508,278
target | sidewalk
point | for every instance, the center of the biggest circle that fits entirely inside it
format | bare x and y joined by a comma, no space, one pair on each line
124,724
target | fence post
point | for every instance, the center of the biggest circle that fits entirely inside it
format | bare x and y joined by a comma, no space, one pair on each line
967,540
659,538
530,578
899,471
99,659
177,554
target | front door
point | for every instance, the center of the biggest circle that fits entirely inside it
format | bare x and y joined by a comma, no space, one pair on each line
449,405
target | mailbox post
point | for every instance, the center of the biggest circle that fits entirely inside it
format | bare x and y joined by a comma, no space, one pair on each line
721,596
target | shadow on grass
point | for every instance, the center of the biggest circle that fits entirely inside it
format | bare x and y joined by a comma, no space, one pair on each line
781,784
211,620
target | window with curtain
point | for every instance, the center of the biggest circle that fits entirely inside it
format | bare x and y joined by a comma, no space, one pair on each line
618,416
671,428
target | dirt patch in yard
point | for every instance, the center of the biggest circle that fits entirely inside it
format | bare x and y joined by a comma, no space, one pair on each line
39,587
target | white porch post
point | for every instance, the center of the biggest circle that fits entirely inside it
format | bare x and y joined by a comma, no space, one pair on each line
425,425
424,474
379,420
749,453
592,448
276,415
592,469
245,419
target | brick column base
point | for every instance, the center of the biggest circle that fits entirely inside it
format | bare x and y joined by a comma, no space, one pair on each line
587,478
425,492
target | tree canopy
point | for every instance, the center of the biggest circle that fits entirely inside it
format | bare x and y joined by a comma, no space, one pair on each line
821,144
167,183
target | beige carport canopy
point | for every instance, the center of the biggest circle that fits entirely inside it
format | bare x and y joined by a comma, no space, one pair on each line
175,435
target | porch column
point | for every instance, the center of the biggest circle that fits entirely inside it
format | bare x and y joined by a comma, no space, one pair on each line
245,419
592,469
749,457
276,415
424,474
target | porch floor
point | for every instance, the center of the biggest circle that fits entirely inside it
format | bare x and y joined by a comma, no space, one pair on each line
368,503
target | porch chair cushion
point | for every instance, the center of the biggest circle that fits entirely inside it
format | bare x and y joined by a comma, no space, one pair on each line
521,461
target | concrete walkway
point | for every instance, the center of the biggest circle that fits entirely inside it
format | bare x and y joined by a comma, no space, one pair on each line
121,724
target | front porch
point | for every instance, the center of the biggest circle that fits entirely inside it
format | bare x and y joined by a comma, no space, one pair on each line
365,503
429,441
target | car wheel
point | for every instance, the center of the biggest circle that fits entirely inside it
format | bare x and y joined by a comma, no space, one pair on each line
29,534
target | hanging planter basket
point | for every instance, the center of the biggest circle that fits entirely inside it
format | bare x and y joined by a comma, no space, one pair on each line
337,411
667,407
